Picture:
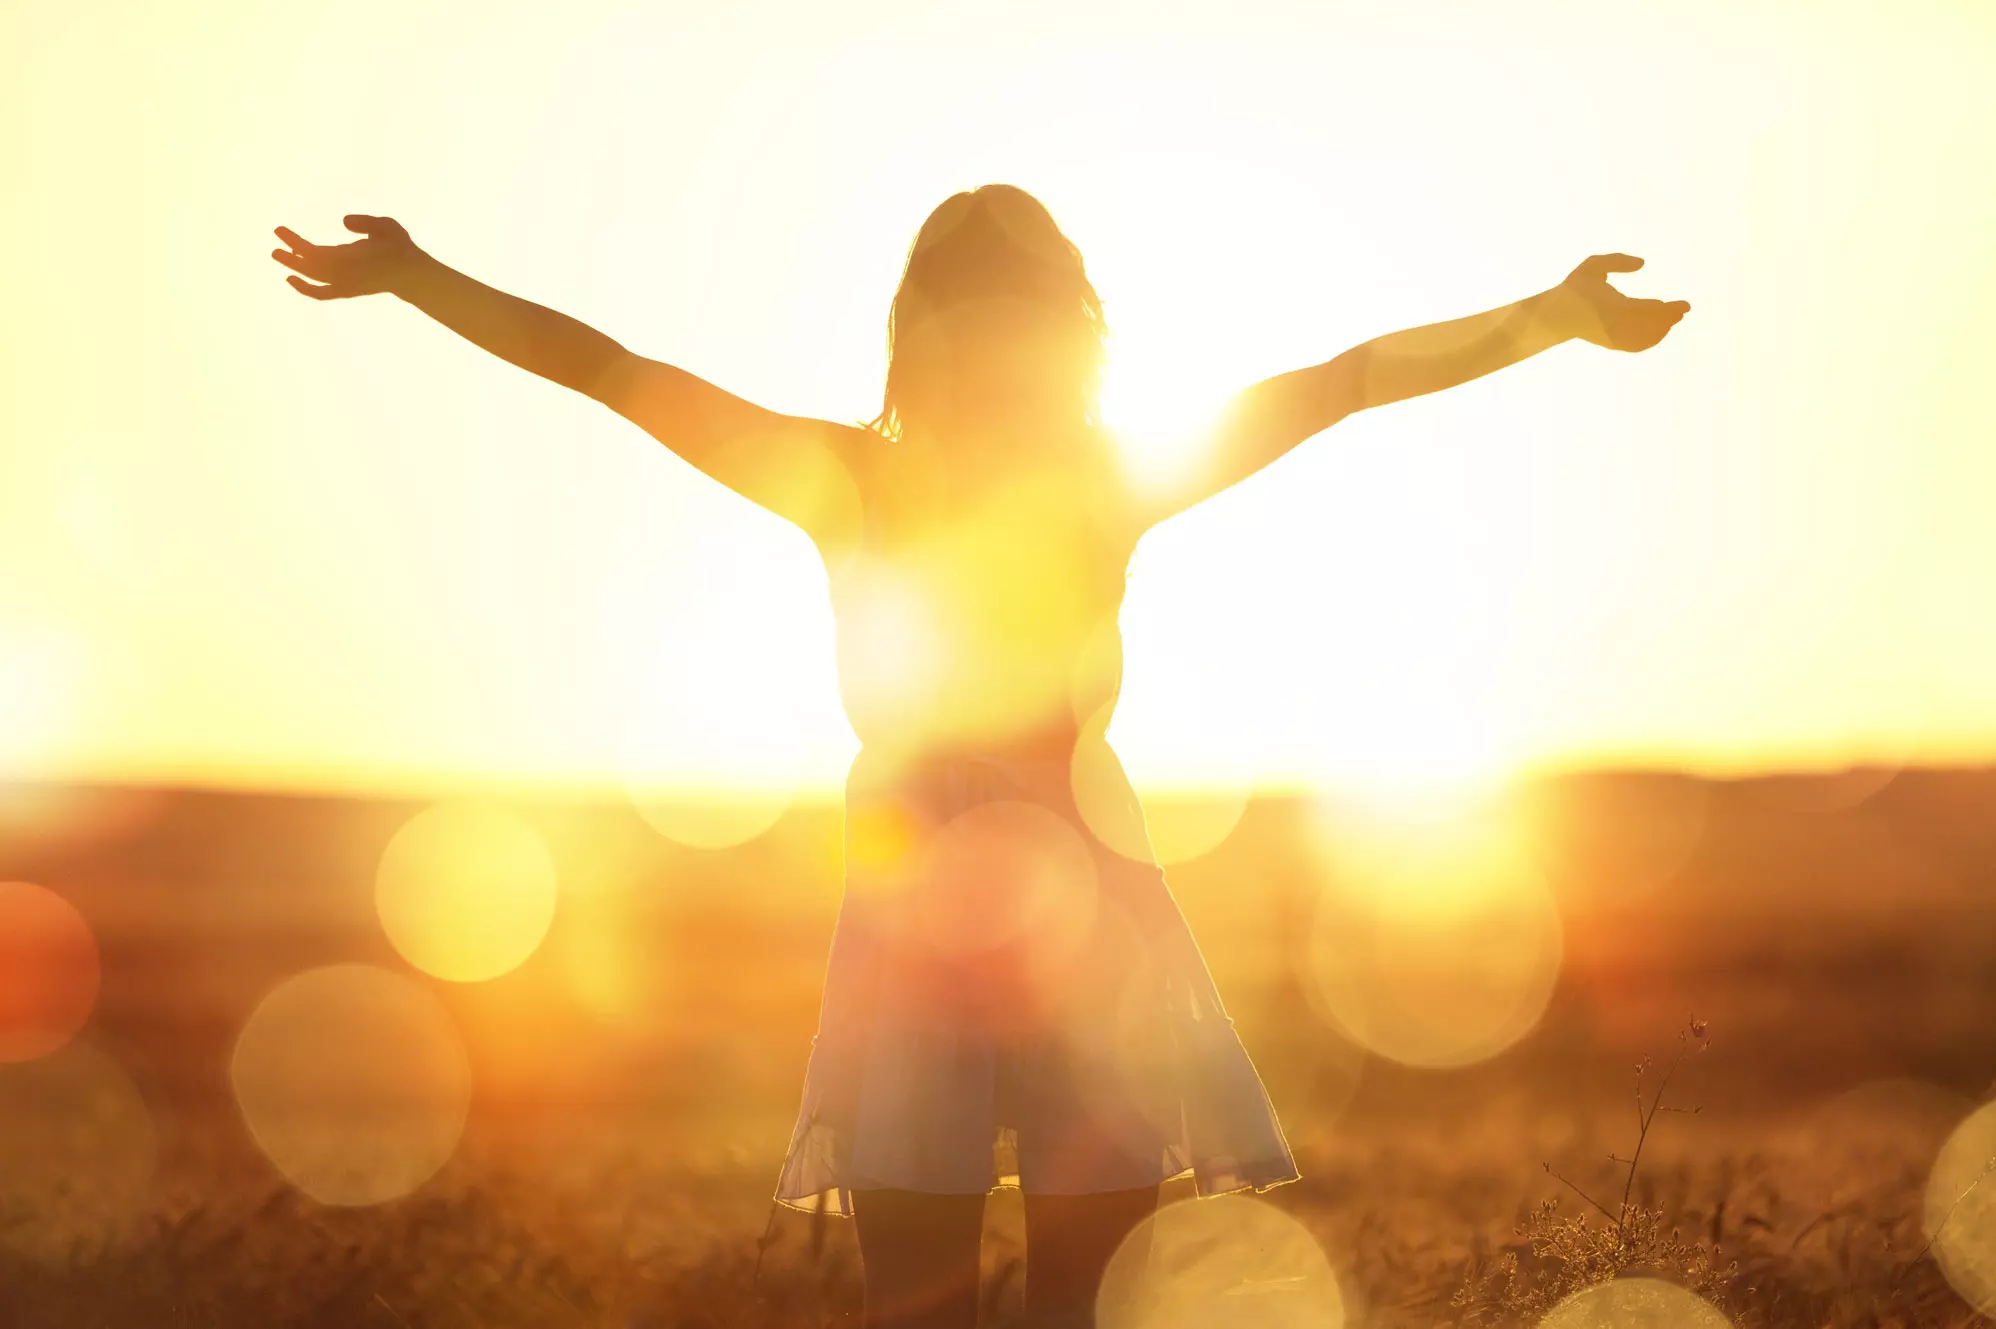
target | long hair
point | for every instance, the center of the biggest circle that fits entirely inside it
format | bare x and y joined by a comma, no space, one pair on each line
994,305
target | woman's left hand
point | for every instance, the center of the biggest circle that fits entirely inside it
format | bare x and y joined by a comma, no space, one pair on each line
1587,307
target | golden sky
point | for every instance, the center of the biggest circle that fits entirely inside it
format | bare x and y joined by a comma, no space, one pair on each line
246,538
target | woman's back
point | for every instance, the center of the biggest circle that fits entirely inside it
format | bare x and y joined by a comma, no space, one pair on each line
979,610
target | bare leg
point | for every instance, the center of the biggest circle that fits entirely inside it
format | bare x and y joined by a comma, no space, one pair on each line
1069,1239
920,1256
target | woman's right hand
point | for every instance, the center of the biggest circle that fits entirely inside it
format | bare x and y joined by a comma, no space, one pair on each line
367,266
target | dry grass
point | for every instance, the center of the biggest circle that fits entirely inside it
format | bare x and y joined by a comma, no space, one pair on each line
581,1219
613,1179
1417,1237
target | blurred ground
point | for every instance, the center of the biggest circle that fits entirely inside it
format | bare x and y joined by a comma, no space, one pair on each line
634,1081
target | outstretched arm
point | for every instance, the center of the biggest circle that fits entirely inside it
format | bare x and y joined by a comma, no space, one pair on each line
786,463
1267,420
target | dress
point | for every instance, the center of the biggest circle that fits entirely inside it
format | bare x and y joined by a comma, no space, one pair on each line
1009,1001
1106,1065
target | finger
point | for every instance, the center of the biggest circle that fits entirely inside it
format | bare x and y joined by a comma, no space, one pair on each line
295,240
362,224
296,262
1651,316
1659,319
304,287
1615,262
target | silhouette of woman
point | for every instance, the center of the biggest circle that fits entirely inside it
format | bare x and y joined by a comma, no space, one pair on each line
1012,996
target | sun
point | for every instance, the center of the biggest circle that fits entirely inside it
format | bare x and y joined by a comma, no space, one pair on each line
1160,406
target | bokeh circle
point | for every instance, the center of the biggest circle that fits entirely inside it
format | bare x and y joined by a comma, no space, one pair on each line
49,971
465,891
1435,945
77,1151
1219,1262
1959,1216
1635,1303
354,1082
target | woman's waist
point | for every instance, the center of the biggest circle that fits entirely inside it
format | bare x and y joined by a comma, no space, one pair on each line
933,783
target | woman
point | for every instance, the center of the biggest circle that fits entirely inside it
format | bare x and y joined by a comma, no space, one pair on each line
1012,996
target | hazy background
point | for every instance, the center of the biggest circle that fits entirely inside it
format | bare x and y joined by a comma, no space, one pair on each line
246,540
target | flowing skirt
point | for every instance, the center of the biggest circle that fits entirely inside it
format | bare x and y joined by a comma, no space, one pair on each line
1010,1002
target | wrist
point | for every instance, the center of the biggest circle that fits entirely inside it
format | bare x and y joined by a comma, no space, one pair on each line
412,275
1556,310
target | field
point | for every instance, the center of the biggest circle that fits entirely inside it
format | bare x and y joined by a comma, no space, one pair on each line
633,1083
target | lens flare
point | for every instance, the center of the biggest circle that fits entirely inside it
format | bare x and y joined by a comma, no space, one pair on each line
1899,717
1151,823
1960,1211
1097,675
1219,1262
1635,1303
1128,1053
48,971
598,948
884,837
891,646
803,481
1003,870
465,891
967,632
609,965
77,1150
1876,1126
998,910
354,1083
1434,945
707,723
710,818
1616,837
